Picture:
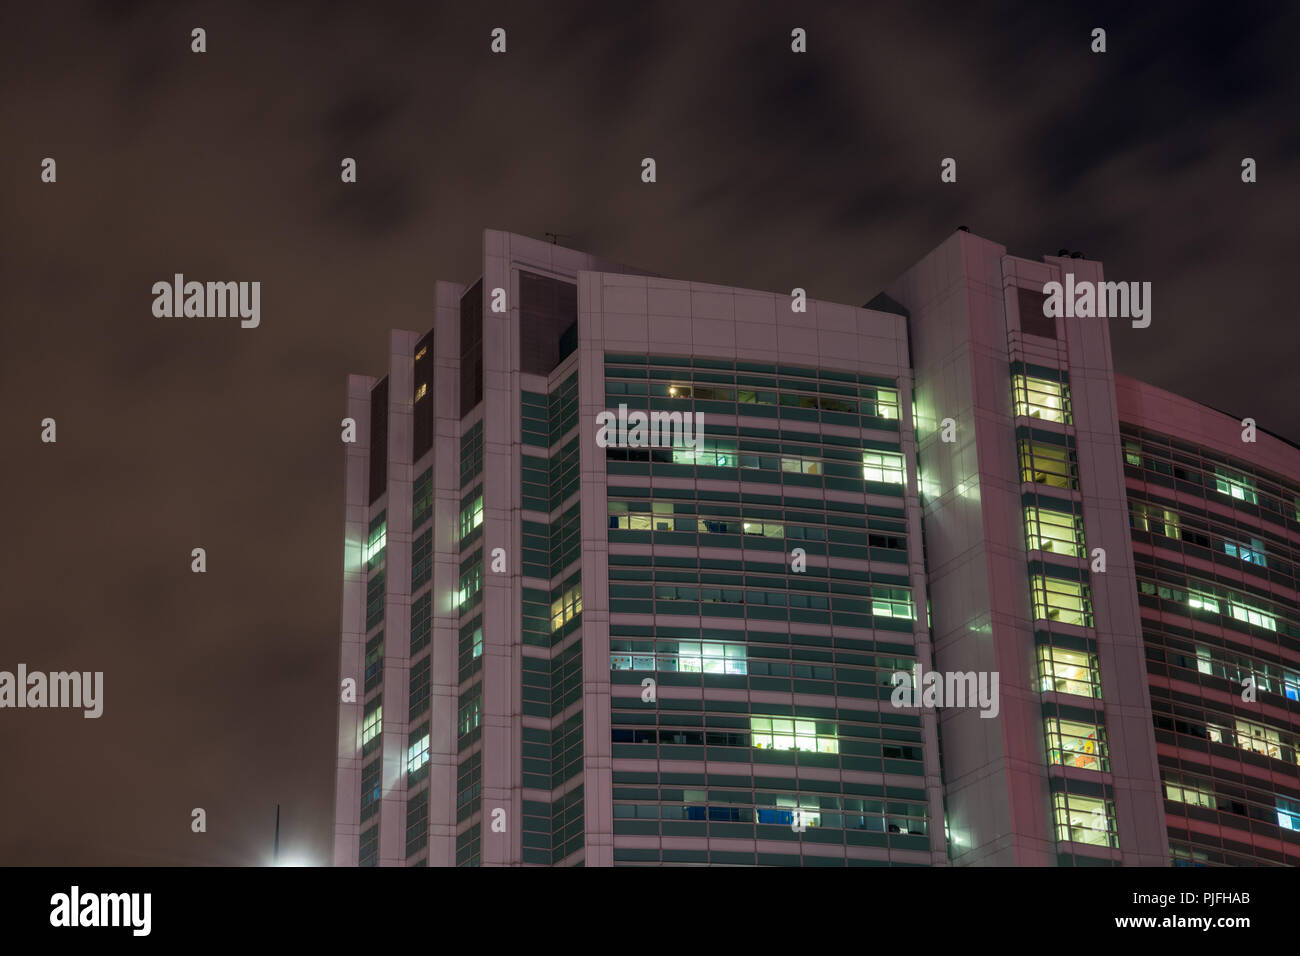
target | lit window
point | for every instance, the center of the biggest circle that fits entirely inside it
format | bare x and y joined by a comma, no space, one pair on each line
567,607
711,658
1074,744
883,466
1133,454
471,516
471,585
892,602
1042,398
1084,820
1200,601
377,542
784,733
420,354
1056,599
1252,553
1047,464
1184,789
373,725
1288,813
417,755
421,391
887,403
801,466
1260,739
1067,672
1054,531
477,646
1234,485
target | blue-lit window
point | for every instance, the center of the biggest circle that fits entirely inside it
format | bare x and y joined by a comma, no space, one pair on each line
1252,553
1288,814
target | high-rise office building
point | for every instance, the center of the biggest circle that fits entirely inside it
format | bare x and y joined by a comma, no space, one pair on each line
567,639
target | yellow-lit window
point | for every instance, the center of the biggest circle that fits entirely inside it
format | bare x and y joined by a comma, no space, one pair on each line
1065,671
421,391
567,607
1042,398
883,466
1184,789
784,733
802,466
1260,739
1084,820
1047,464
1054,531
1072,743
1057,599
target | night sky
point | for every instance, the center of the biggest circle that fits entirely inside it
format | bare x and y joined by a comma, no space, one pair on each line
775,170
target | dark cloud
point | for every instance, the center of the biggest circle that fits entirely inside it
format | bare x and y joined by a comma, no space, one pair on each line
774,171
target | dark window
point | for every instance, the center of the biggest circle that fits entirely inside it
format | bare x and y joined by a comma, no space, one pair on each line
548,316
1032,320
471,348
422,440
378,440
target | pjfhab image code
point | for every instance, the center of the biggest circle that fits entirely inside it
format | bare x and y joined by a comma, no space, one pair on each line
726,438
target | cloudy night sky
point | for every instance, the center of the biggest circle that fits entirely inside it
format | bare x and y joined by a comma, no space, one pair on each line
775,170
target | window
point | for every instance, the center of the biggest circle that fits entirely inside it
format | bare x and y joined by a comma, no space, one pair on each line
1235,486
1260,739
1056,599
1182,788
1048,464
1067,672
784,733
891,602
1252,553
710,658
1041,398
886,403
477,643
1055,531
802,466
1288,813
377,542
1133,454
883,466
471,585
1157,520
1084,820
1074,744
373,724
470,716
471,516
567,607
417,755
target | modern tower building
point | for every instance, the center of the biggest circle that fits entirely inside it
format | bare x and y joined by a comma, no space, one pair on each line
568,639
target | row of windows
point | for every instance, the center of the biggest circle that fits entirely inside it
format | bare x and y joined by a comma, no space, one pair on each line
686,656
1248,735
1156,456
1221,601
1200,792
1158,520
884,601
878,466
875,403
1268,678
787,811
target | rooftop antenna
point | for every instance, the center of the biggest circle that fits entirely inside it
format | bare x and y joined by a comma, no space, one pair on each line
275,857
553,236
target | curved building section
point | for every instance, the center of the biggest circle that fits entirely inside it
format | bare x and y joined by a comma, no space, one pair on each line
1216,545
